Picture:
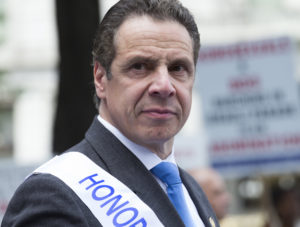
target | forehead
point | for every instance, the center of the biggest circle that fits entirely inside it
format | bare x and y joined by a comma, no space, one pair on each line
144,30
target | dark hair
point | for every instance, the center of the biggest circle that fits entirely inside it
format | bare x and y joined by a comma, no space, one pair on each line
104,49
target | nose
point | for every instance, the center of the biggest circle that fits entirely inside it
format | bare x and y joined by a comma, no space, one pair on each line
161,85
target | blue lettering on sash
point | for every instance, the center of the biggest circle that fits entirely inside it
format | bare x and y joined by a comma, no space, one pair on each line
92,179
95,197
119,219
113,207
142,221
135,214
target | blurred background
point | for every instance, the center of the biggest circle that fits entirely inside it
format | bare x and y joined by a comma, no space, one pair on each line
245,119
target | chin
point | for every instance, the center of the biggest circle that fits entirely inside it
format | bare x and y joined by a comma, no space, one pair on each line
160,138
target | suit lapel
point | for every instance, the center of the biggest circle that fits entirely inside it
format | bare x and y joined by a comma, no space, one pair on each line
124,165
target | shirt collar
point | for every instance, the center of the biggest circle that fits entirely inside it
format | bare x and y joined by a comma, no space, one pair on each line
148,158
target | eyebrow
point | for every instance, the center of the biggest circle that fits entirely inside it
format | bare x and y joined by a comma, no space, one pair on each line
143,59
150,60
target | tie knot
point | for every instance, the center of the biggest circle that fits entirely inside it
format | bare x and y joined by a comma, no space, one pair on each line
167,172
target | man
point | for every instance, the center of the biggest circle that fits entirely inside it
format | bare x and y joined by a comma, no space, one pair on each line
145,54
214,187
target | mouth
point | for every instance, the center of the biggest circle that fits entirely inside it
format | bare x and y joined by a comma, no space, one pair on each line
159,113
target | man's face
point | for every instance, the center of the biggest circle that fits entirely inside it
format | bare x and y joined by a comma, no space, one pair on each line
149,96
217,195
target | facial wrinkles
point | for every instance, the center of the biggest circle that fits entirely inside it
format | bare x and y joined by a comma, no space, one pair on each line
163,53
155,45
146,42
162,37
160,44
162,41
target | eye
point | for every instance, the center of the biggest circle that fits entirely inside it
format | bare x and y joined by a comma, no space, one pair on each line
179,71
177,68
138,66
138,69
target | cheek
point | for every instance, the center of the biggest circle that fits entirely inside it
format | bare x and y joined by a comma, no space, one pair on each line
137,92
128,99
185,100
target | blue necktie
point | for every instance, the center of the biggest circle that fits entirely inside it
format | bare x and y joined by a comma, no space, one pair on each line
168,173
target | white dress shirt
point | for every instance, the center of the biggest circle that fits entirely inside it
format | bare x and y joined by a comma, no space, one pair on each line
150,159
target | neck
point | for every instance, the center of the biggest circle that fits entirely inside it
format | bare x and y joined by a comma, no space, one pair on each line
162,150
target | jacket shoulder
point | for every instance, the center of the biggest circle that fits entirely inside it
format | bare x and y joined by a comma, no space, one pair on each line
44,200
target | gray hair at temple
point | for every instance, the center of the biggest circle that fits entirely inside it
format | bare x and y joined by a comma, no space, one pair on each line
161,10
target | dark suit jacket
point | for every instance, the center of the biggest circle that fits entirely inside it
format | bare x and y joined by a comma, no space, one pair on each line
44,200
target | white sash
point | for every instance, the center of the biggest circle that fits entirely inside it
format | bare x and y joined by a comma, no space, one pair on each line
110,201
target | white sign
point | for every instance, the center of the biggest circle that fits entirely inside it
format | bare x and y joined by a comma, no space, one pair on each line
251,106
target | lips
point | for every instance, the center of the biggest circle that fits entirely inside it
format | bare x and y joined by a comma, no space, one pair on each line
159,113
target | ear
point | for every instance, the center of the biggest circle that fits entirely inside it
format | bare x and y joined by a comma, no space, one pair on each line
100,80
